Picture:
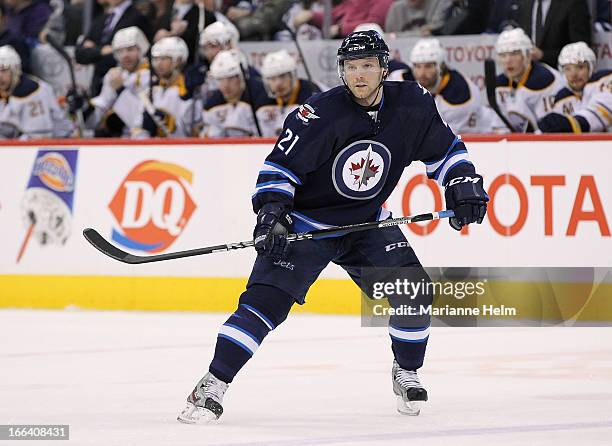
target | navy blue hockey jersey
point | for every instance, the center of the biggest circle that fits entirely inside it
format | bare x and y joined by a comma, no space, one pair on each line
335,165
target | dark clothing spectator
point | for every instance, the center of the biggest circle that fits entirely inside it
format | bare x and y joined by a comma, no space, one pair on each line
602,15
96,49
467,17
563,22
417,17
264,21
191,34
350,13
27,18
504,14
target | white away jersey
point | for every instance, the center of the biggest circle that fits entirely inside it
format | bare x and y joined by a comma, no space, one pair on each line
594,105
530,99
33,110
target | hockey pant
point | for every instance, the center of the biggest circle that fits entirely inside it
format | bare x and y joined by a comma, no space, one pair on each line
274,286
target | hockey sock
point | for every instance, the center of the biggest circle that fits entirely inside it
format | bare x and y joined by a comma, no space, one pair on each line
408,345
261,309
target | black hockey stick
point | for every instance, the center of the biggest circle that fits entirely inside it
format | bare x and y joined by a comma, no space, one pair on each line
490,82
299,48
105,247
62,52
251,97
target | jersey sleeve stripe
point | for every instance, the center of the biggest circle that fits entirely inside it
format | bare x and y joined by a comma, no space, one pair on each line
269,166
433,166
286,190
441,171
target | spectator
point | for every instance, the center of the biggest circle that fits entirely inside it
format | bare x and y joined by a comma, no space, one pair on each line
504,15
602,15
417,17
183,21
263,22
285,91
346,15
16,41
27,18
552,24
55,26
467,17
96,46
526,90
585,105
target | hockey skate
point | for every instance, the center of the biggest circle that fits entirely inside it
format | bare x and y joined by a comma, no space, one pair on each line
410,393
204,403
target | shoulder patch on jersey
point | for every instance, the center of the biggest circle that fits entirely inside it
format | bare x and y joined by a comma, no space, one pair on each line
305,113
600,74
457,91
564,93
25,87
540,77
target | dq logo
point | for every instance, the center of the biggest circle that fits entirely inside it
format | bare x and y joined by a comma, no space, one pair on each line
152,206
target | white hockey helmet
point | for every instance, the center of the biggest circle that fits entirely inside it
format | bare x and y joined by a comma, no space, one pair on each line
427,51
226,64
575,53
514,40
128,37
370,26
173,47
9,59
277,63
220,33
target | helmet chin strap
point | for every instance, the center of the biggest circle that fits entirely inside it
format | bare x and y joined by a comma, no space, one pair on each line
380,83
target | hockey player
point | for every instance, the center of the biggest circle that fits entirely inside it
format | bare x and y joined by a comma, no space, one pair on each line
216,37
457,98
398,71
338,159
28,107
172,112
526,89
230,109
130,47
285,89
585,105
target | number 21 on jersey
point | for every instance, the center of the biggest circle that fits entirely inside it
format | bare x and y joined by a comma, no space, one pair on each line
287,141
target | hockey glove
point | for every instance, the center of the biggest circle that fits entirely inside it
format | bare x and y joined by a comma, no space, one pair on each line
558,123
467,197
75,100
270,234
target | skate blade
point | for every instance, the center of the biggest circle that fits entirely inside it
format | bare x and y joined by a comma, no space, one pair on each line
410,408
192,414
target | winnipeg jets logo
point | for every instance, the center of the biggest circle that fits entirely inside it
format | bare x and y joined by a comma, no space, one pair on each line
306,112
360,170
364,170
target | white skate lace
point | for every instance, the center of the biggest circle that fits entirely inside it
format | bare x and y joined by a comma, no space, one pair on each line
214,388
407,378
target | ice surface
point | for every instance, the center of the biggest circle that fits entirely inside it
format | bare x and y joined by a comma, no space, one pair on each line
121,378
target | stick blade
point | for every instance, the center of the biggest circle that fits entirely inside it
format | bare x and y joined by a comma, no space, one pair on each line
105,247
